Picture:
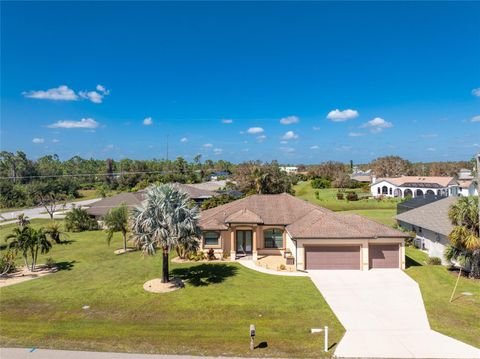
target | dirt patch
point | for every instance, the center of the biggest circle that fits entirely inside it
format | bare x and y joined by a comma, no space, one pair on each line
156,285
180,260
23,274
123,251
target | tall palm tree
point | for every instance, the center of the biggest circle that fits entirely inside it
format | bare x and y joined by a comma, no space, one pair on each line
39,242
29,241
116,220
19,240
464,235
165,220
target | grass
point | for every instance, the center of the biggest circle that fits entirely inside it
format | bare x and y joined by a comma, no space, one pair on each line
210,316
458,319
384,216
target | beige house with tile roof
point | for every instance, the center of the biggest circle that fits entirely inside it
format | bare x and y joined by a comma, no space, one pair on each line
312,237
414,186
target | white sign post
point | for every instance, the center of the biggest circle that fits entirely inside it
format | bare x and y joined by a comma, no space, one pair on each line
326,339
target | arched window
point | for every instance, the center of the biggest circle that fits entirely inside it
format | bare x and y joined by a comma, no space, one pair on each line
273,238
384,190
211,238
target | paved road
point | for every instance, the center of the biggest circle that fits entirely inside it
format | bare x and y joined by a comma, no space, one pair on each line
20,353
384,316
38,212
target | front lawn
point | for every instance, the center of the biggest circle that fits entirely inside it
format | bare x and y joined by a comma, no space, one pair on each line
211,316
384,216
459,319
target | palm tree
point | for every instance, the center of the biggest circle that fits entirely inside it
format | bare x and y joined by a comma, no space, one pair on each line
464,235
116,220
39,241
165,220
23,220
29,241
20,240
53,230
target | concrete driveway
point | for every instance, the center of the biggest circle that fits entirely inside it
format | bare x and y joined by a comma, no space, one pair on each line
383,313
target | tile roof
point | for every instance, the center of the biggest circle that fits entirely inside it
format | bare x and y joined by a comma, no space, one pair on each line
433,216
301,219
412,181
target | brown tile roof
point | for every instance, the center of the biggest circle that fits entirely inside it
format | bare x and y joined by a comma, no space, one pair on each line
302,219
422,180
465,183
361,178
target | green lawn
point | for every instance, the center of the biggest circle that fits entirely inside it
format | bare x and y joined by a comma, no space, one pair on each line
211,316
384,216
459,319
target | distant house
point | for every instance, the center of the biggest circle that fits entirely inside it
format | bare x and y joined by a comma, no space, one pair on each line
215,176
415,186
468,185
133,199
431,225
361,176
289,169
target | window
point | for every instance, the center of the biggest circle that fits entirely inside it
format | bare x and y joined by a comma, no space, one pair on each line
378,190
211,238
273,238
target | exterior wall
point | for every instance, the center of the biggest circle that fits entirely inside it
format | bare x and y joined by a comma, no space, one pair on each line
392,190
470,191
301,243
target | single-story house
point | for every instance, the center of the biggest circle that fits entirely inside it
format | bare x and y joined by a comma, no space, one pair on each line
289,169
215,176
467,187
414,186
312,236
416,202
431,225
133,199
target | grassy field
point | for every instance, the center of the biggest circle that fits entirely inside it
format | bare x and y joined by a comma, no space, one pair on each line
382,211
211,316
459,319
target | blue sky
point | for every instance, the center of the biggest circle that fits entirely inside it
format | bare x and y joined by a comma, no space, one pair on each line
350,80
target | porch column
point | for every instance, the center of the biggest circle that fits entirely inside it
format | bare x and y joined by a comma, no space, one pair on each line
254,245
232,244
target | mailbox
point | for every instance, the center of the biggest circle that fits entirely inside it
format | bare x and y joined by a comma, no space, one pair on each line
252,330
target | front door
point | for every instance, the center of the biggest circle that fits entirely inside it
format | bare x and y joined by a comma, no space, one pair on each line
244,242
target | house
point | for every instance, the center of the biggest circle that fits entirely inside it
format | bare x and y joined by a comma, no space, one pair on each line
416,202
414,186
431,225
289,169
312,237
467,188
216,176
361,176
133,199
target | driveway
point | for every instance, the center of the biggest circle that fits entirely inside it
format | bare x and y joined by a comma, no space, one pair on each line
383,313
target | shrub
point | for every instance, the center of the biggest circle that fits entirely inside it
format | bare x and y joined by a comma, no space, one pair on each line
225,255
340,195
7,262
211,255
352,196
78,220
434,261
320,183
317,194
50,263
282,267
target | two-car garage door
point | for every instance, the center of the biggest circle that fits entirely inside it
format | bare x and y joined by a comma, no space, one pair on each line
349,256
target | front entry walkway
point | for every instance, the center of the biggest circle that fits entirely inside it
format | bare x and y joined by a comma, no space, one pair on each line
384,316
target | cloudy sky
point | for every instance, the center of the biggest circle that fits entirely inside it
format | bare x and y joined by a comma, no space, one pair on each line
300,83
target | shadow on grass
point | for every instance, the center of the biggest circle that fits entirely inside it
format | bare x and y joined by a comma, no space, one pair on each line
65,265
332,346
205,274
261,345
410,262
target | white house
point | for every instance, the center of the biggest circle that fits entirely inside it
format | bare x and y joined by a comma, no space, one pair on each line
414,186
289,169
468,186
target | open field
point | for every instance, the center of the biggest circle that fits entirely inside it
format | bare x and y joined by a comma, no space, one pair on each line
211,316
458,319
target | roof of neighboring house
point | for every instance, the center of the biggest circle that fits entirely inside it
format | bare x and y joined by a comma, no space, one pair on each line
418,181
361,178
133,199
465,183
417,202
432,216
301,219
210,185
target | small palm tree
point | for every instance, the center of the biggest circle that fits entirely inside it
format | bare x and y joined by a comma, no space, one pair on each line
53,230
29,242
19,240
23,220
464,235
165,220
116,220
39,242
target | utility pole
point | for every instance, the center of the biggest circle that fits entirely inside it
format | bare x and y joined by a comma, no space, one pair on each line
478,188
167,148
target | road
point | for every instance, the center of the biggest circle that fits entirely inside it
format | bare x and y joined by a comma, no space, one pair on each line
39,212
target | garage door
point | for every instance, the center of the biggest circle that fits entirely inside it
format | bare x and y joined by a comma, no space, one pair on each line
383,255
332,257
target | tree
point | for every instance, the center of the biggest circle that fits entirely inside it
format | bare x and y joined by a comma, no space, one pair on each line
23,220
52,194
20,241
116,220
262,178
391,166
53,230
464,235
29,241
78,220
165,220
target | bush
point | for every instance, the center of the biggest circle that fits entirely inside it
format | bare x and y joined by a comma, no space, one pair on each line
282,267
340,195
352,196
320,183
225,255
50,263
78,220
317,195
211,255
7,262
434,261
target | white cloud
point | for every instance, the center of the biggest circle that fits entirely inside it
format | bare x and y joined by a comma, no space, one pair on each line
431,149
316,128
93,96
37,140
475,119
83,123
289,120
429,135
344,148
283,142
184,140
217,151
377,125
103,90
314,147
208,145
290,135
55,140
227,122
261,138
287,149
255,130
476,92
339,116
356,134
148,121
60,93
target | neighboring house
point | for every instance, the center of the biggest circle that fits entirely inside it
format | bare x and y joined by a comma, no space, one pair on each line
361,176
468,188
289,169
215,176
414,186
133,199
416,202
312,237
431,225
